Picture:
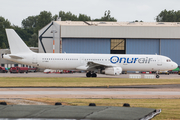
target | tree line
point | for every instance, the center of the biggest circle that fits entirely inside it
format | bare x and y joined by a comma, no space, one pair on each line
32,24
168,16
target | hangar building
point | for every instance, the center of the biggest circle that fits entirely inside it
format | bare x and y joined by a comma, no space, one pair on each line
111,38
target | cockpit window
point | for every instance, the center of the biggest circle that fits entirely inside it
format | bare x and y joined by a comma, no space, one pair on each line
168,60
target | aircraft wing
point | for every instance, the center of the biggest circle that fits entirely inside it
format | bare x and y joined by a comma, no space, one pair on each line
95,65
91,65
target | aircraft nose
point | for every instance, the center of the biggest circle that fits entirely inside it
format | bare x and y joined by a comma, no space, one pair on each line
174,65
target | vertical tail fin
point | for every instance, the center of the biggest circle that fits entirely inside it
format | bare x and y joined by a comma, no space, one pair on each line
16,44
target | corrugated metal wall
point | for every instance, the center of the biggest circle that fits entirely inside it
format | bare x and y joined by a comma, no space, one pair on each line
86,45
171,48
157,32
142,46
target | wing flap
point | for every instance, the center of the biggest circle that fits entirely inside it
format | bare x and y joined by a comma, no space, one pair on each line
92,63
95,65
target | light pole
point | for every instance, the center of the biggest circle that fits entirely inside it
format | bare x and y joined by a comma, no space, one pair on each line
53,31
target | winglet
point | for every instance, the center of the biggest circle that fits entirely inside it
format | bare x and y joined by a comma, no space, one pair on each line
16,44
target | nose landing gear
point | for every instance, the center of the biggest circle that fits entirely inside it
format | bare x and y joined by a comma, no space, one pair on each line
157,74
2,55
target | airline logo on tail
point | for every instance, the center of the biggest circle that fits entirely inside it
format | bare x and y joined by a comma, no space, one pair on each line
116,59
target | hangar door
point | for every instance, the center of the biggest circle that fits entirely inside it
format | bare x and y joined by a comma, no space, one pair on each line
142,46
86,45
118,46
171,49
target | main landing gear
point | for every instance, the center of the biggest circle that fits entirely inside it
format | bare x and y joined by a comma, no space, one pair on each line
91,74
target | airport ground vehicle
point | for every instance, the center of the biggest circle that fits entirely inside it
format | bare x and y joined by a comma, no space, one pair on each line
175,71
3,70
13,70
164,72
18,70
67,71
146,72
32,69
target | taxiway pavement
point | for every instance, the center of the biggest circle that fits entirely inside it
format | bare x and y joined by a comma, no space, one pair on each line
80,75
88,93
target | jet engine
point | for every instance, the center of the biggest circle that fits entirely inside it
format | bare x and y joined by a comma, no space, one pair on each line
113,71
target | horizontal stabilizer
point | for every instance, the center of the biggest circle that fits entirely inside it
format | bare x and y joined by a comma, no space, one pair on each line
15,56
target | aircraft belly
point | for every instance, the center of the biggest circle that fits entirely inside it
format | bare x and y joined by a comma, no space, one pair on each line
138,67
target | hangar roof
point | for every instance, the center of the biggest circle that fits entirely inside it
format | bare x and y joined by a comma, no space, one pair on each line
101,23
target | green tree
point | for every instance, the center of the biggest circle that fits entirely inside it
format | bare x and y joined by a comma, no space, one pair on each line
55,17
30,22
33,41
67,16
138,21
72,17
168,16
3,46
4,23
107,17
29,27
83,17
43,19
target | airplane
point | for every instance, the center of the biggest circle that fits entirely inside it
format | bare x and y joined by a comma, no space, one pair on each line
112,64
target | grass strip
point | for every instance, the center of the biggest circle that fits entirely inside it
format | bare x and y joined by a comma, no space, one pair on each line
80,82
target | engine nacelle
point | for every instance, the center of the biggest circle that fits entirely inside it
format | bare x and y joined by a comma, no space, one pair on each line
113,71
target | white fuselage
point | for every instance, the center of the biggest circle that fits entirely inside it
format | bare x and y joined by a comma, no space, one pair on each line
127,62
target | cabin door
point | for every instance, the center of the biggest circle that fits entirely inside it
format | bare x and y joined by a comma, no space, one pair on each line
159,61
82,60
34,59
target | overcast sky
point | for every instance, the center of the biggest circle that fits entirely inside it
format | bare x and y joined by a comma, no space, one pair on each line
123,10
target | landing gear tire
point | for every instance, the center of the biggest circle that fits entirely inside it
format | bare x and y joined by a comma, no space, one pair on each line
88,74
157,76
94,75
